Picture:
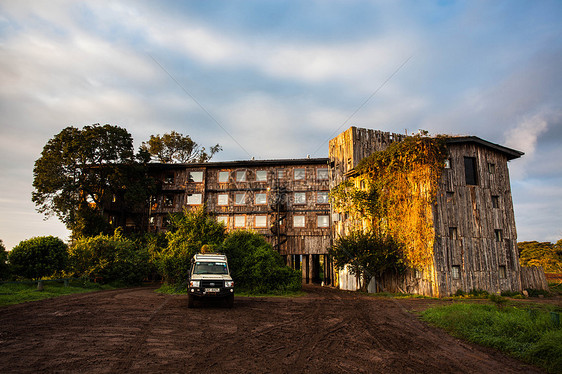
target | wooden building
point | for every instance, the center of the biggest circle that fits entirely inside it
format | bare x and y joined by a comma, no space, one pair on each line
284,200
287,201
475,244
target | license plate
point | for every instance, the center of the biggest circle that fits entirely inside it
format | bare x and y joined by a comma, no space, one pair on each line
216,290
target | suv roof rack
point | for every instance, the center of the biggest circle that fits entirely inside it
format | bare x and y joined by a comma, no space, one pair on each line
209,256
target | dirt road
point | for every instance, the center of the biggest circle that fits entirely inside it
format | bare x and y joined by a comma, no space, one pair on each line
138,330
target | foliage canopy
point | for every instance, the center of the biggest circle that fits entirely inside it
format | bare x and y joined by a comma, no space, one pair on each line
188,232
392,193
368,254
544,254
109,259
81,170
175,147
255,266
38,257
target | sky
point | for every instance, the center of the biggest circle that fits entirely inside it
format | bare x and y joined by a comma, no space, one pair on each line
278,79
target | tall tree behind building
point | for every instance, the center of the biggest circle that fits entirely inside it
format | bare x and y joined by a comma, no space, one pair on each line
81,170
176,147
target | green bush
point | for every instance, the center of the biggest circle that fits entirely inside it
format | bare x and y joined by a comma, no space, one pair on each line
188,232
256,267
38,257
528,336
110,259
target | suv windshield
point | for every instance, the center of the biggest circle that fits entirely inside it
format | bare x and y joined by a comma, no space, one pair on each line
210,268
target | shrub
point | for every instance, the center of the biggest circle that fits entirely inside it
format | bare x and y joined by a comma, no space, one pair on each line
110,259
189,231
256,267
38,257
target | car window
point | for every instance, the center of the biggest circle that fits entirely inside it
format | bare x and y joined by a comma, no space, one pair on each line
210,268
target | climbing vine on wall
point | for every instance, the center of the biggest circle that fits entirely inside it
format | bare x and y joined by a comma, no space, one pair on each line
392,192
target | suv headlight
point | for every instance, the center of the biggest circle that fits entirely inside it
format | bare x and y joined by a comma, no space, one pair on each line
194,283
229,283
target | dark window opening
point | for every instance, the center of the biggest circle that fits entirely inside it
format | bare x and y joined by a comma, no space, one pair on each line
502,272
450,196
168,200
495,202
169,179
456,272
491,168
453,233
470,171
499,235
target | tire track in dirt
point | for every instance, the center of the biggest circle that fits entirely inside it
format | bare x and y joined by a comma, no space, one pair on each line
129,355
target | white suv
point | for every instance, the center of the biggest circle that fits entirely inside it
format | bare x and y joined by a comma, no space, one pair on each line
210,278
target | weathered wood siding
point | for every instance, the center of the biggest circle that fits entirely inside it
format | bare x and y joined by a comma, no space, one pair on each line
308,178
467,220
534,278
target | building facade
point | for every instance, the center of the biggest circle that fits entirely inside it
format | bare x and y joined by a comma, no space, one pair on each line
475,239
286,201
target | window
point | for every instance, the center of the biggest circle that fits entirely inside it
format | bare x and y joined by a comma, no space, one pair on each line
240,199
299,174
450,196
280,173
261,198
169,178
323,221
298,221
168,200
495,202
241,176
322,174
453,233
223,176
456,272
261,175
322,198
502,272
300,197
260,221
470,170
194,199
498,235
223,220
240,221
222,199
491,168
196,176
447,163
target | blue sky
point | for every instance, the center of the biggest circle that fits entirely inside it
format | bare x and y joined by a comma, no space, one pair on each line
281,77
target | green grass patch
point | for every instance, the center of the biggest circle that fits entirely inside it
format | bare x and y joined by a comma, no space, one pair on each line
526,333
16,293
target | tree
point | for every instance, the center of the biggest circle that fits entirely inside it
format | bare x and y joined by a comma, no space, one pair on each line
368,255
544,254
175,147
81,171
38,257
112,258
255,266
4,268
188,232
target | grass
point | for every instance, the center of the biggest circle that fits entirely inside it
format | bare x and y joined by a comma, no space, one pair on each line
528,334
16,293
